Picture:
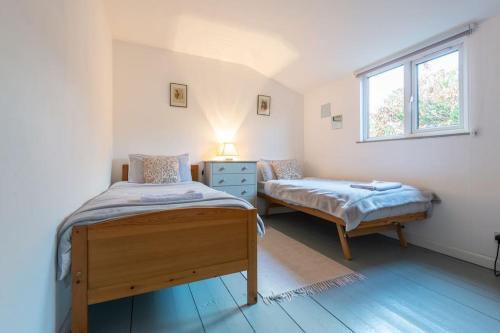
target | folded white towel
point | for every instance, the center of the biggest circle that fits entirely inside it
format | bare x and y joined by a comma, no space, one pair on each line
377,186
169,198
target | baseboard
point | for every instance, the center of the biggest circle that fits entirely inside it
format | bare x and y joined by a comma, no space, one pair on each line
66,324
458,253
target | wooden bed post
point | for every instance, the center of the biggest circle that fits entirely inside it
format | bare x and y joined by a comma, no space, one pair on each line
252,258
79,302
343,241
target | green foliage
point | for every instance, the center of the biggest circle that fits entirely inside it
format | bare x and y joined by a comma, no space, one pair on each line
438,101
438,104
388,120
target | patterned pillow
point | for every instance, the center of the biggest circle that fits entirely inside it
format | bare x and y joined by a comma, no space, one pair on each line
161,169
265,169
287,169
136,168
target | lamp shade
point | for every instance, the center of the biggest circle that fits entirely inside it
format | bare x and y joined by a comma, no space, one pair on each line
228,150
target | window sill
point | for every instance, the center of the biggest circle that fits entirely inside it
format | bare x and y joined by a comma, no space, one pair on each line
416,136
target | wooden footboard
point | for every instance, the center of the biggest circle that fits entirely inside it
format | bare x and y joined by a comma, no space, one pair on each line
146,252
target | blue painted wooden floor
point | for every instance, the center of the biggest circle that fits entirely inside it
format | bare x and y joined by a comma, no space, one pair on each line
406,290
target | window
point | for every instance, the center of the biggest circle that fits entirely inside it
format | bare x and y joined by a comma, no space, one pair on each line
386,103
438,92
422,94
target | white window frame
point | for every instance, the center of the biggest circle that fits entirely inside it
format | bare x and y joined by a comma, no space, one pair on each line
410,64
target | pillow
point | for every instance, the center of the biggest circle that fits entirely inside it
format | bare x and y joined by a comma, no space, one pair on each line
265,170
136,168
287,169
184,168
161,169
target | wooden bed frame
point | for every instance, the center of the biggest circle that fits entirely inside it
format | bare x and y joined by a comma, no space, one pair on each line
365,228
146,252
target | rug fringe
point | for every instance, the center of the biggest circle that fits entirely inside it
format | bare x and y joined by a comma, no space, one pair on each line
316,288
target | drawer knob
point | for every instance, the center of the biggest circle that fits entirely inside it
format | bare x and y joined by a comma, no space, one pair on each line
244,168
244,192
243,180
221,181
221,169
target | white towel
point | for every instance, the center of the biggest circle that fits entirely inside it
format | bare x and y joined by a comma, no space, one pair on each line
169,198
377,186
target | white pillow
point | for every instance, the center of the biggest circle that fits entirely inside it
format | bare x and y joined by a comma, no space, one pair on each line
136,168
265,170
184,168
287,169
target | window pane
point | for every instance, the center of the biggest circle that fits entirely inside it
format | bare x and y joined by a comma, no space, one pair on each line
438,92
386,103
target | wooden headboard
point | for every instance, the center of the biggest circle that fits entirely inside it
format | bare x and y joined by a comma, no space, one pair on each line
194,172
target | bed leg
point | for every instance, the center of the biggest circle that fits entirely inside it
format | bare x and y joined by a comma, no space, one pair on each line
79,302
251,286
268,207
252,258
343,242
401,235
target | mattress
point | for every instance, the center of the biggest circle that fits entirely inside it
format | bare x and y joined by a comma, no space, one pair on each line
354,206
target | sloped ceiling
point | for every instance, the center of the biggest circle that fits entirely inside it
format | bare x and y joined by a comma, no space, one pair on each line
299,43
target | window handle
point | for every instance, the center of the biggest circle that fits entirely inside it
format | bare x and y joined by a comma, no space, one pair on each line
411,99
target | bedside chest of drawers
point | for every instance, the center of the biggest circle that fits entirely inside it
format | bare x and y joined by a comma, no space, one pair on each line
238,178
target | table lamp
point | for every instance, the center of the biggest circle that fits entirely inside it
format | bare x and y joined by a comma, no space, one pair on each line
228,151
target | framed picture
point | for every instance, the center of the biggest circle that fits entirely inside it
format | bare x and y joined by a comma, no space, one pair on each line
178,95
264,105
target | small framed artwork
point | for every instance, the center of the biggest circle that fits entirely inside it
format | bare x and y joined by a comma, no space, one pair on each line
178,95
264,105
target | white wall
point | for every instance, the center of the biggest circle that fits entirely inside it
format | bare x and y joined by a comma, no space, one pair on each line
222,99
55,145
462,170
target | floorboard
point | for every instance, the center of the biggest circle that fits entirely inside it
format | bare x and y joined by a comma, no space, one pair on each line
217,308
405,290
450,288
263,317
390,303
467,276
168,310
313,317
110,317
